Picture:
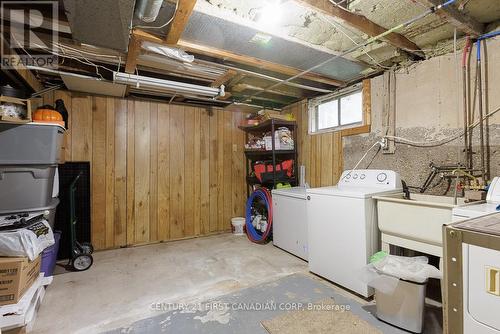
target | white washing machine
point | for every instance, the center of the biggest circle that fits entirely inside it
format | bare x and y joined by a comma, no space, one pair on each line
481,293
290,221
492,204
342,221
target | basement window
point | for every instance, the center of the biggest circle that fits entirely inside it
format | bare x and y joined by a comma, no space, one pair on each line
338,111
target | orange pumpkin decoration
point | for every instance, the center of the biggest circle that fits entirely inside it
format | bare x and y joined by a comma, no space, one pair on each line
47,115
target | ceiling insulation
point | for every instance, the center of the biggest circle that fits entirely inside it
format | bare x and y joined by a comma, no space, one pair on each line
218,33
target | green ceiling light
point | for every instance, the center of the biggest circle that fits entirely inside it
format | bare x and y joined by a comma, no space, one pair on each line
260,38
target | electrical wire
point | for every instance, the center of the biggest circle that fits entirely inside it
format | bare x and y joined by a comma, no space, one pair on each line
62,46
411,143
440,142
163,25
350,50
361,160
64,55
338,27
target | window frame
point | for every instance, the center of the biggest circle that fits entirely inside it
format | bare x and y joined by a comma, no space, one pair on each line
316,102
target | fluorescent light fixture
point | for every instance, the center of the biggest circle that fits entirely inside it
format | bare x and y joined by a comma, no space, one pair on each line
180,88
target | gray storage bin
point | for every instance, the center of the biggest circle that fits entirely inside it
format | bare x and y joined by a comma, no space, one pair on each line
405,307
26,187
51,208
35,144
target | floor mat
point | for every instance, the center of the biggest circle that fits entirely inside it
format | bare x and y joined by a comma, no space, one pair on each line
324,316
245,312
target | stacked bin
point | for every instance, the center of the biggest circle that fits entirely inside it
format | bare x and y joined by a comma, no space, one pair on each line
29,155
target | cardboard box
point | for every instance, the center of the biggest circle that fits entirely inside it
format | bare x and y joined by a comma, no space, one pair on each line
17,274
24,104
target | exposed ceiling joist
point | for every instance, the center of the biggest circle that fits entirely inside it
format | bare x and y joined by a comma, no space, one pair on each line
241,87
363,24
180,21
456,18
226,96
256,62
20,70
223,79
134,49
247,60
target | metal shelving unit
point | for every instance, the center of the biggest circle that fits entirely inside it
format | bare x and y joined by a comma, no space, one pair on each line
275,155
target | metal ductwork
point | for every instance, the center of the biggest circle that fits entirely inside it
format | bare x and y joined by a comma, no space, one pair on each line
104,23
148,10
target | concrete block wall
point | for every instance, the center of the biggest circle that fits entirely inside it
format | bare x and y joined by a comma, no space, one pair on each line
429,107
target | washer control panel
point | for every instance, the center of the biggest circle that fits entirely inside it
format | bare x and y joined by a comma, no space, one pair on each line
370,178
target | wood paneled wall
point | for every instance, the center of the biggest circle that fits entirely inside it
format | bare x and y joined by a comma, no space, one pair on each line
321,154
159,172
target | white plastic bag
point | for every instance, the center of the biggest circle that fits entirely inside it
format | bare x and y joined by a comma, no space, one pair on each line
29,241
385,273
416,269
173,53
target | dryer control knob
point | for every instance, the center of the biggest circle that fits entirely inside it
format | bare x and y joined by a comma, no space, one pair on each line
381,177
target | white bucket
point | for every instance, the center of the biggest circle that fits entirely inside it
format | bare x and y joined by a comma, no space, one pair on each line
238,224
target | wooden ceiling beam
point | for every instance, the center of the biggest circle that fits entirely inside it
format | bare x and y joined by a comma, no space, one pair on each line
456,18
225,78
363,24
181,18
226,96
238,58
20,70
134,50
241,87
256,62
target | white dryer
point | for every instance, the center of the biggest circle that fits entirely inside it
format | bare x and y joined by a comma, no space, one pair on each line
290,220
343,231
481,299
492,204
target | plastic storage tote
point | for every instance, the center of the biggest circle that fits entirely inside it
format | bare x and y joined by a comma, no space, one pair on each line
404,308
33,144
51,208
26,187
49,256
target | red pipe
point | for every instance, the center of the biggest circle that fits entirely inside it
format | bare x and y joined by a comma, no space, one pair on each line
467,139
466,50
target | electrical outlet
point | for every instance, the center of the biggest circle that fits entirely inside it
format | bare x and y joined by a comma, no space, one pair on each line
384,144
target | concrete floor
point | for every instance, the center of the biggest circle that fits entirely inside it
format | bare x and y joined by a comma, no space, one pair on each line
122,284
229,316
117,294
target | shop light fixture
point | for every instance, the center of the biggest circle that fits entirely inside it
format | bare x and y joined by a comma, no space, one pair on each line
139,81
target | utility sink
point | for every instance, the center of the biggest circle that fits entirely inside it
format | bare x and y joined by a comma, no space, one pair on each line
415,223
